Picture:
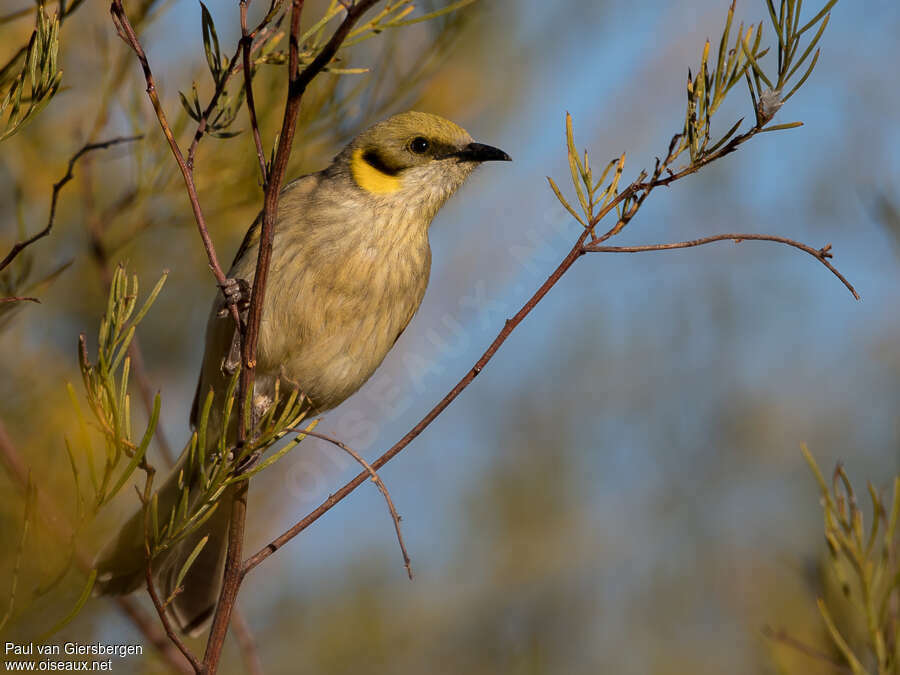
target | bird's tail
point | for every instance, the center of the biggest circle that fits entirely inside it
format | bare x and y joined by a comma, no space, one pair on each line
121,565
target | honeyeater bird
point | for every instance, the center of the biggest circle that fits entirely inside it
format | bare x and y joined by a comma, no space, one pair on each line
350,263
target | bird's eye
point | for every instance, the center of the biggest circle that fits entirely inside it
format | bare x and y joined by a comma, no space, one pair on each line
419,145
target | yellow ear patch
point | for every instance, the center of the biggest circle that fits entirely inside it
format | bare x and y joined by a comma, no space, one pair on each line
371,179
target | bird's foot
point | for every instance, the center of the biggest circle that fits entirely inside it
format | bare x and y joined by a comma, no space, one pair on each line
236,292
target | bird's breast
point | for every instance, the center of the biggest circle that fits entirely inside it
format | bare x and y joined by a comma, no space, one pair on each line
335,308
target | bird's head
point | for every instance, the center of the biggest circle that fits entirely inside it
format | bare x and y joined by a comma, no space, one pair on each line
415,157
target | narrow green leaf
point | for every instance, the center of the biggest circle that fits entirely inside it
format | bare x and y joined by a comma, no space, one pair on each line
809,48
141,450
565,203
452,7
190,561
803,79
779,127
211,44
812,22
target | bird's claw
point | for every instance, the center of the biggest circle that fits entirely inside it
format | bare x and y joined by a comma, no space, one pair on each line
236,292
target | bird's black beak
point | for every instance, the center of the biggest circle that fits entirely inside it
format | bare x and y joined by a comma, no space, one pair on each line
479,152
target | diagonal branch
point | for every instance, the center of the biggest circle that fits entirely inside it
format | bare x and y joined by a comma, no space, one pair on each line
126,32
574,254
167,625
57,186
245,47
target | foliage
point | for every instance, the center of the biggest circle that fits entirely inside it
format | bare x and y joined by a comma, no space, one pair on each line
866,563
39,75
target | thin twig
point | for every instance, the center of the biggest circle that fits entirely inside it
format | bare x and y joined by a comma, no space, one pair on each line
19,298
126,32
18,471
820,254
167,625
232,68
57,186
378,482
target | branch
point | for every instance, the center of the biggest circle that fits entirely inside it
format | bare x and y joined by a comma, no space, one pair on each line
638,191
18,298
18,471
820,254
297,83
167,626
574,254
57,186
126,32
378,482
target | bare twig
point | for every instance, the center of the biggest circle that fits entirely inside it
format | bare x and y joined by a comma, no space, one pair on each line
19,246
378,482
167,625
18,298
126,32
820,254
18,471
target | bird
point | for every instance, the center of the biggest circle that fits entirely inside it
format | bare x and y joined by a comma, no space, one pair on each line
350,265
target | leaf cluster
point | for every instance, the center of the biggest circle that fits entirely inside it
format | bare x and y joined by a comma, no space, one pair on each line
866,563
106,388
38,79
737,57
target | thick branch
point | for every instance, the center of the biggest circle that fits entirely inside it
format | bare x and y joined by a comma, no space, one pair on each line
297,83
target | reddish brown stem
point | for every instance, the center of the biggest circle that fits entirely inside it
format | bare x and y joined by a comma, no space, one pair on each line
820,254
378,483
126,32
576,252
245,46
297,83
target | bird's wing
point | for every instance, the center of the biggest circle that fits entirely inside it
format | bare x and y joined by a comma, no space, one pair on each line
220,330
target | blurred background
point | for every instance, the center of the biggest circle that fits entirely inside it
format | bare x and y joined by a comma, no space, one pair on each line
622,489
